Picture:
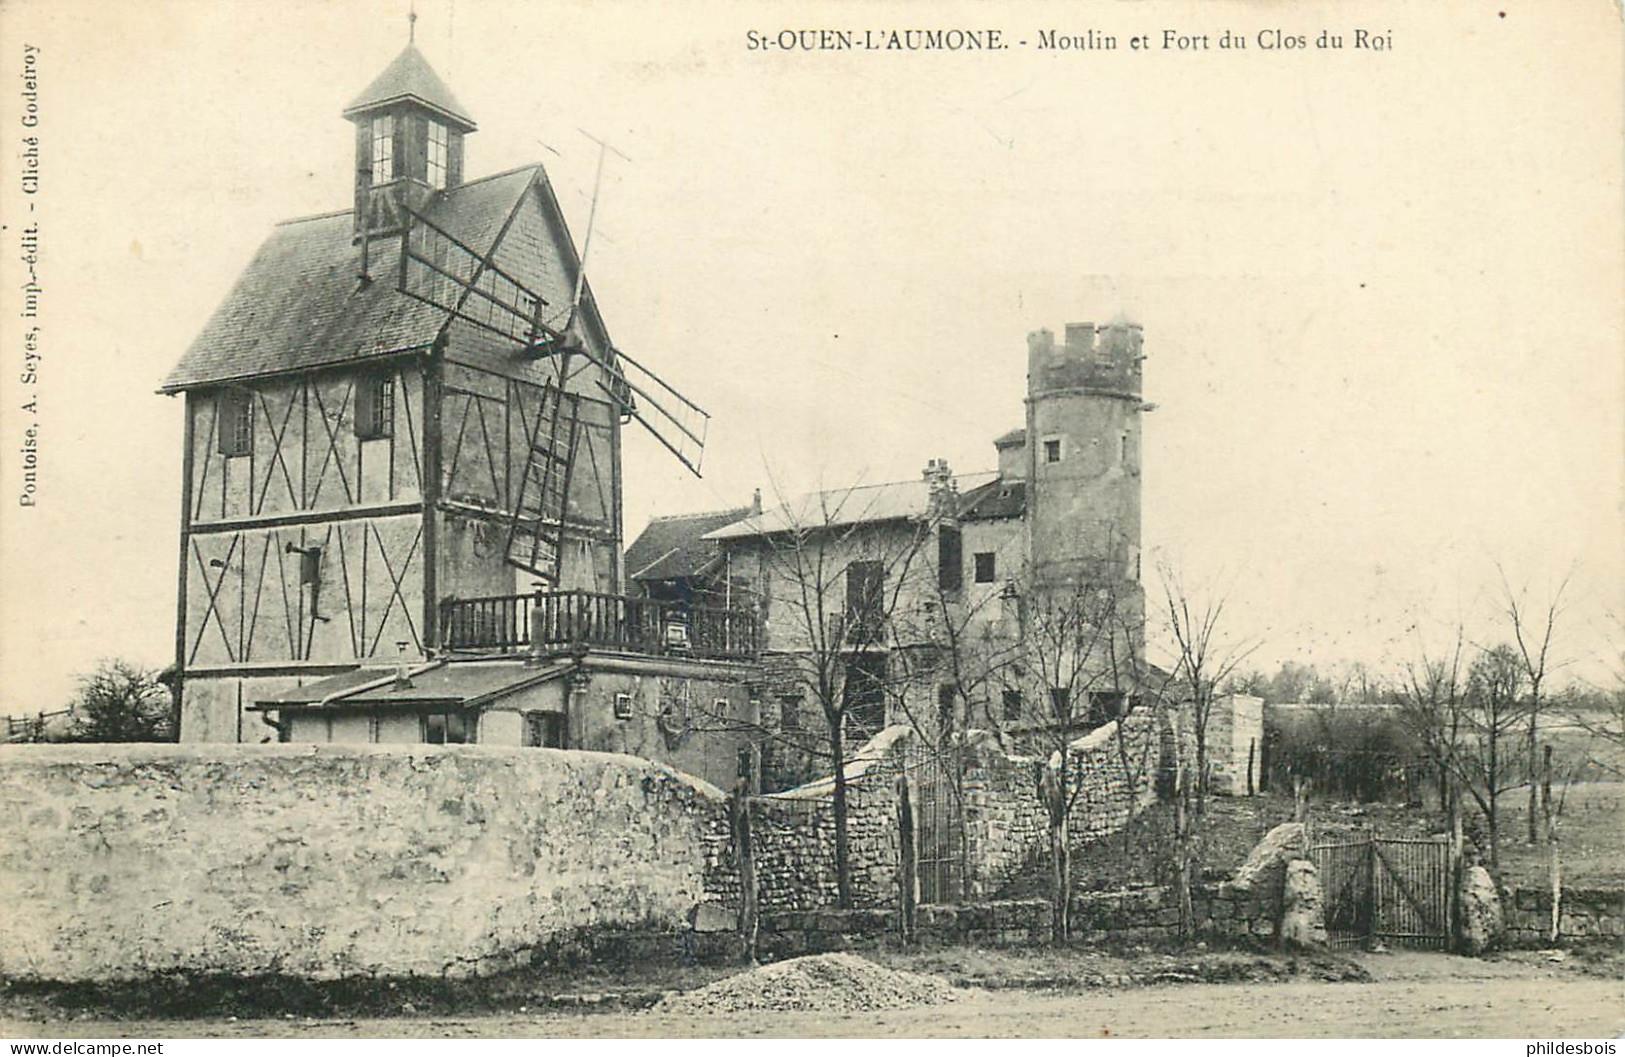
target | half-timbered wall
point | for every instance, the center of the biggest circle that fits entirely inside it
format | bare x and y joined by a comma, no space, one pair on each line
305,454
259,595
305,551
489,423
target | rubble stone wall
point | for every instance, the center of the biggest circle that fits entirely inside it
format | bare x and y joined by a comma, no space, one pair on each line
1585,914
1007,822
793,835
1151,912
121,861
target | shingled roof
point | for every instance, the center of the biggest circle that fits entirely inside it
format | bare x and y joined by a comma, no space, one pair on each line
996,499
409,77
300,303
672,547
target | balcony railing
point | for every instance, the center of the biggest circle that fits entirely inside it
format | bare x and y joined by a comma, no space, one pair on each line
562,619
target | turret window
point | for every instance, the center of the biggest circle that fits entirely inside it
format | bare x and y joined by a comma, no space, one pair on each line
383,149
437,156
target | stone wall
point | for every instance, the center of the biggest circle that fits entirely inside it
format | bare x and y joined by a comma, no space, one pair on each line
1007,822
1151,912
323,861
793,834
1586,914
120,861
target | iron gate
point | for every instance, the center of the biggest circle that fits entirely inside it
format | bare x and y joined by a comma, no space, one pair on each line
1386,889
936,828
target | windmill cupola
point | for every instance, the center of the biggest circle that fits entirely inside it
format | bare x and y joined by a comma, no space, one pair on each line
408,142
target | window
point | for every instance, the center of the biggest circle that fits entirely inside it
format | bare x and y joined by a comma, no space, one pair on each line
1012,705
1052,450
985,567
789,713
544,730
945,706
864,694
1060,701
236,426
447,728
865,601
374,406
437,155
1104,706
623,706
383,149
950,559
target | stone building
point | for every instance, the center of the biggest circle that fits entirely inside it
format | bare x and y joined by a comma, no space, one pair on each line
916,601
402,500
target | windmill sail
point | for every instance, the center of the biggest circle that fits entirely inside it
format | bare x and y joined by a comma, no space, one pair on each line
437,269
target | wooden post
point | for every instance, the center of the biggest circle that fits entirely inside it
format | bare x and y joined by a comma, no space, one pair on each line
1252,748
908,865
1182,853
1554,869
745,856
1457,858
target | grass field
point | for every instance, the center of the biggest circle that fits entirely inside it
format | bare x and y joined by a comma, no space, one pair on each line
1590,834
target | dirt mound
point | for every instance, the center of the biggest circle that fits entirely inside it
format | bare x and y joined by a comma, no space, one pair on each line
826,983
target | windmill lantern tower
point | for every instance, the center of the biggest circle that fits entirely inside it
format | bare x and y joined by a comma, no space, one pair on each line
409,132
403,420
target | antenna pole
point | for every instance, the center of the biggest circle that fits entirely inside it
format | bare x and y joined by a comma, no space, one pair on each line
592,214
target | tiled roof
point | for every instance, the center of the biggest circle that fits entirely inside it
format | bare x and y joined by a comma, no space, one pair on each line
846,506
300,303
408,76
996,499
1012,439
672,547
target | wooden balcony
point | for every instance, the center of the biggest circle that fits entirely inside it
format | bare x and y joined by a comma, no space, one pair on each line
565,619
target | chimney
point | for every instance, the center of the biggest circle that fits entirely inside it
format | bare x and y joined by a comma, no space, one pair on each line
403,681
756,501
1012,449
942,494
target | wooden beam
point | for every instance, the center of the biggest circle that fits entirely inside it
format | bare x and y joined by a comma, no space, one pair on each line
308,517
429,492
178,687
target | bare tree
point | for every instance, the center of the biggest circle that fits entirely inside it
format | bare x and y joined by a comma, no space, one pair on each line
836,571
1533,636
1489,763
1432,709
959,650
1076,642
1205,658
121,701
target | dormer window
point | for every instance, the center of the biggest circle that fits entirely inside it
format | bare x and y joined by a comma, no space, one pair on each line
437,155
383,148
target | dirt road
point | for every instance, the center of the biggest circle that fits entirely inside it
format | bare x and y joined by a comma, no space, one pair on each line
1412,996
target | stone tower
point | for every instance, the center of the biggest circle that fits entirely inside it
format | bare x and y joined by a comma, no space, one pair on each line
1083,458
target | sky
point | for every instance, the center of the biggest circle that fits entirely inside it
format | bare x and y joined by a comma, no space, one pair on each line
1380,290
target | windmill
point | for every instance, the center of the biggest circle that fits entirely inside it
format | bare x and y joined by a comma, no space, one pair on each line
438,269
